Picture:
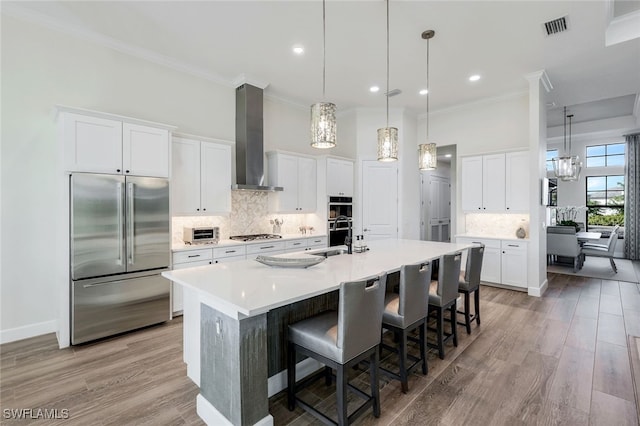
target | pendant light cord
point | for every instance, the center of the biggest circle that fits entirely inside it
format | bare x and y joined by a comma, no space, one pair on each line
570,117
564,146
324,50
387,94
428,90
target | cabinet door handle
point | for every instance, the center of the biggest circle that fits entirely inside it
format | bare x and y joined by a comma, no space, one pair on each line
194,255
266,247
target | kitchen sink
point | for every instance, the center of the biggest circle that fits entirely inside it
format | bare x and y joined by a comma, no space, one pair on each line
329,253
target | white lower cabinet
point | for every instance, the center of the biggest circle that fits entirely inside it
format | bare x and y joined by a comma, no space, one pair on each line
268,248
504,261
182,260
514,263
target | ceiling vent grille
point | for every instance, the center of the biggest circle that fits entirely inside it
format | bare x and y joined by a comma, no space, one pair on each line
556,26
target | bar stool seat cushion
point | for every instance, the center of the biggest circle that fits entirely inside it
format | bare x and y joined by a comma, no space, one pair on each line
391,308
320,334
464,285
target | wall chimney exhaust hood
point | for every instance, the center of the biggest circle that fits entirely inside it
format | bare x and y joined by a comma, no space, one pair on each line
249,140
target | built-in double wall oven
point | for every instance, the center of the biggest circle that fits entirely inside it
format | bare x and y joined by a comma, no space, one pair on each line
339,206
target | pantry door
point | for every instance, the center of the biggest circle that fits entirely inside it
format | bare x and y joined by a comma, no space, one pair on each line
379,200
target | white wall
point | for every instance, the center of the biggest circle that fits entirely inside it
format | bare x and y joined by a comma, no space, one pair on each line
42,68
409,181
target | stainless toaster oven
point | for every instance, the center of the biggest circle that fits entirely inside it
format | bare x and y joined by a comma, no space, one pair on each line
201,234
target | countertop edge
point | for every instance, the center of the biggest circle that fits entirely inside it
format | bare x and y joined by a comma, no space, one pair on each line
492,237
229,243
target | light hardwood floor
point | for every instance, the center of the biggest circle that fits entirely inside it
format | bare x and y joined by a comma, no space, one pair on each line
560,359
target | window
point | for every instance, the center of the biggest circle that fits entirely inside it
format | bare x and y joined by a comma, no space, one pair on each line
551,153
605,200
605,155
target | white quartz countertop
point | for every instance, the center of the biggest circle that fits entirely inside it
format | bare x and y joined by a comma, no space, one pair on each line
493,237
248,288
226,243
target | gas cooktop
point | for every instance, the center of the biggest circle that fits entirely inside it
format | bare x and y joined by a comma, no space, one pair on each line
254,237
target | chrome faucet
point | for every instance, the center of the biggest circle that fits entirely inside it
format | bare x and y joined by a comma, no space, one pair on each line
347,239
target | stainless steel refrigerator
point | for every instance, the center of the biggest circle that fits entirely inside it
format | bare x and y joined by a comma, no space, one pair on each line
120,243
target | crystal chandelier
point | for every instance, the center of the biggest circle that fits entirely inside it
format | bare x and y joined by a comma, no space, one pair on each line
427,155
323,114
567,167
387,136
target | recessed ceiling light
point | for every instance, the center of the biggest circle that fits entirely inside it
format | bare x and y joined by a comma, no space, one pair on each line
474,77
374,89
298,50
423,91
447,156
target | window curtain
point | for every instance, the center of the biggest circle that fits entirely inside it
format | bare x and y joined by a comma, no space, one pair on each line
632,199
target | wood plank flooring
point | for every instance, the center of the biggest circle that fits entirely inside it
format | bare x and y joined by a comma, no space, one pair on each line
560,359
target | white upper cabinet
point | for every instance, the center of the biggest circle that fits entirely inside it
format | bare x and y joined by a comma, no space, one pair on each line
298,176
103,145
339,177
145,150
517,182
201,177
496,183
493,181
215,177
92,144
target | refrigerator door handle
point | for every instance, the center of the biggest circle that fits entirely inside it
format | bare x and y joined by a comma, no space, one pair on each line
130,221
120,215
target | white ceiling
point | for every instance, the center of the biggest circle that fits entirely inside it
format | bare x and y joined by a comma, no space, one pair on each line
502,41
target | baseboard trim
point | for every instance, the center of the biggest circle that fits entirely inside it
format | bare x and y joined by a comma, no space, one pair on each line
27,331
211,416
539,291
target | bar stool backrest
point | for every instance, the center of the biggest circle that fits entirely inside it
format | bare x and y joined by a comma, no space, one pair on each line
474,266
414,291
360,315
449,277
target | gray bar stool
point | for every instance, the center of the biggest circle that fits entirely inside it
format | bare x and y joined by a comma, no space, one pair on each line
445,298
470,282
405,311
340,340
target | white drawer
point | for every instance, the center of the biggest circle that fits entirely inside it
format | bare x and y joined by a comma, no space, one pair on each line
266,246
317,242
221,252
295,244
192,255
513,245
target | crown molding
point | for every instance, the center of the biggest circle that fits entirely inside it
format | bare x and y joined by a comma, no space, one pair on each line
247,79
13,10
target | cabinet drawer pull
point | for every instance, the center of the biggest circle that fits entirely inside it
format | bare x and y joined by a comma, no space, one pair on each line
476,242
513,245
193,255
266,247
296,244
230,251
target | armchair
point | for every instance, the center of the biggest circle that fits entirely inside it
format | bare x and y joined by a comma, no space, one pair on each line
604,250
562,241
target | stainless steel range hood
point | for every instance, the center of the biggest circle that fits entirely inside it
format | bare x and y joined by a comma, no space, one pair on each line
249,141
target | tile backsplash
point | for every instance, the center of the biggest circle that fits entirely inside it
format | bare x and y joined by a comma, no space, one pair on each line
496,225
249,215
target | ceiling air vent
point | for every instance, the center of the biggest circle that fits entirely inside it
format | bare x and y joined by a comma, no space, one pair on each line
556,26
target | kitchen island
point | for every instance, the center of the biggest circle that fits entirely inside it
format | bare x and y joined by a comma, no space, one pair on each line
238,346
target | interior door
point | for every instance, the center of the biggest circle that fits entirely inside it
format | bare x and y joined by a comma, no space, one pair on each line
147,219
379,200
436,199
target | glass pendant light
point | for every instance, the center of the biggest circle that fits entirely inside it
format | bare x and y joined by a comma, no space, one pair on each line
567,167
387,136
323,114
427,155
